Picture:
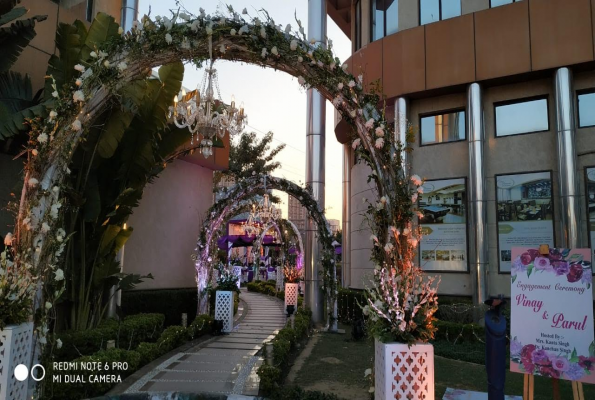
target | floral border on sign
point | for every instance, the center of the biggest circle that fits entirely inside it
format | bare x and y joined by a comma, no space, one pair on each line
558,261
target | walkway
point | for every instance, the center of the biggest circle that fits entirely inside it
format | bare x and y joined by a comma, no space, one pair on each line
225,364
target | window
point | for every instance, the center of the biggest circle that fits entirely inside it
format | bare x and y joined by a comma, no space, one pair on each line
524,116
89,10
586,109
444,127
358,25
438,10
385,18
496,3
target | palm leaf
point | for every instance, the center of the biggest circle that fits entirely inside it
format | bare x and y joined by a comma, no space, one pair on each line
14,38
114,130
103,27
12,15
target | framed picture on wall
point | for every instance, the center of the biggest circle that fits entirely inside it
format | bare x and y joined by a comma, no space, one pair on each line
524,213
443,246
590,197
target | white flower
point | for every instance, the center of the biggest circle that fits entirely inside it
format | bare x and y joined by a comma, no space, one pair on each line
244,11
379,143
56,189
184,16
370,123
48,305
54,210
45,228
340,86
106,64
413,242
336,101
78,82
43,340
420,190
379,131
76,125
360,78
264,52
366,311
209,30
312,41
222,48
55,93
275,51
352,113
59,275
78,96
263,32
356,143
371,390
351,84
414,198
168,23
79,68
388,247
373,238
53,115
102,54
344,67
34,152
58,341
332,66
300,58
416,180
244,29
93,54
122,66
406,231
168,38
195,24
301,80
120,30
383,199
202,11
42,138
233,32
8,239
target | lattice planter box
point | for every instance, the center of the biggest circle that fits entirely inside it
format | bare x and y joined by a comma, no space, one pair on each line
15,349
291,295
403,372
224,309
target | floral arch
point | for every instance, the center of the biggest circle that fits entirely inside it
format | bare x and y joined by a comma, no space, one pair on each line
116,59
235,197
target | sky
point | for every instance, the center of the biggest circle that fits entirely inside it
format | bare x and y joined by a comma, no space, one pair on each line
273,100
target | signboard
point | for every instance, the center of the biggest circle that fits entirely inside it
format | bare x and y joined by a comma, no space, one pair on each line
524,211
551,320
590,194
444,225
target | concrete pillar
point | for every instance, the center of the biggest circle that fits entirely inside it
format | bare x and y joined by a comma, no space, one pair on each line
568,180
478,218
315,168
346,245
401,115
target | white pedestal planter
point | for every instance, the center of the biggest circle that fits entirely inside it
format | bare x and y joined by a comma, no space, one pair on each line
403,372
280,278
15,349
291,295
237,271
224,309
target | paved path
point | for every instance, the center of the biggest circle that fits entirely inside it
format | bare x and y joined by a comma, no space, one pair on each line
223,365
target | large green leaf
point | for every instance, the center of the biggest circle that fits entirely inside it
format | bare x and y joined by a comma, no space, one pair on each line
102,28
12,15
171,77
111,136
92,206
107,239
121,239
14,38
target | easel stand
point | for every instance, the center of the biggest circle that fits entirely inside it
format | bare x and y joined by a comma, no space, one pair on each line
529,388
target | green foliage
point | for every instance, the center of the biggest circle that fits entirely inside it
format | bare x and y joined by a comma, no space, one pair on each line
349,304
452,331
269,378
148,352
15,37
202,325
169,302
172,337
297,393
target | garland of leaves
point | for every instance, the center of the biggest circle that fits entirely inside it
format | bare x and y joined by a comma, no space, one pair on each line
239,193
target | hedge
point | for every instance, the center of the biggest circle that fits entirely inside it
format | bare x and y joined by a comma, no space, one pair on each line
348,304
169,302
133,330
144,352
269,288
452,331
285,341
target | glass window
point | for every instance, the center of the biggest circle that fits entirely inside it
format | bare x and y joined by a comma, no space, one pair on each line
392,16
385,18
496,3
377,19
586,109
522,117
437,10
441,128
358,25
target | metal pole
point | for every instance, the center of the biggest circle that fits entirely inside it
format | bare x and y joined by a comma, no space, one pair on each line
315,168
401,111
346,245
478,219
568,180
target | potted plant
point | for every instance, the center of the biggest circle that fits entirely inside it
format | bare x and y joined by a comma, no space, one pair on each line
292,279
226,290
17,287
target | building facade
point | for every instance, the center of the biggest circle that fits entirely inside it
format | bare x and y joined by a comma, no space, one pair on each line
297,214
500,95
335,225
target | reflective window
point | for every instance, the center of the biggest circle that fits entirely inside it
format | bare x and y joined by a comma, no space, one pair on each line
441,128
496,3
358,25
385,18
586,109
523,116
438,10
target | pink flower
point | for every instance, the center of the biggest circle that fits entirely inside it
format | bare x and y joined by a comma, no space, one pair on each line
369,123
575,273
526,258
560,364
379,143
356,143
543,264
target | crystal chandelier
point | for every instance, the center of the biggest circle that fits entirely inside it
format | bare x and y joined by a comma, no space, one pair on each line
205,115
261,214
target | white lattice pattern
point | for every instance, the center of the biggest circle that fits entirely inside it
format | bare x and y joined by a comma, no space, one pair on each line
403,372
237,271
291,294
15,349
272,276
279,278
224,309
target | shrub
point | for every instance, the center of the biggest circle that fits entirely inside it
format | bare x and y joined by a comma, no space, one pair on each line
452,331
348,304
148,352
169,302
269,378
172,337
203,324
